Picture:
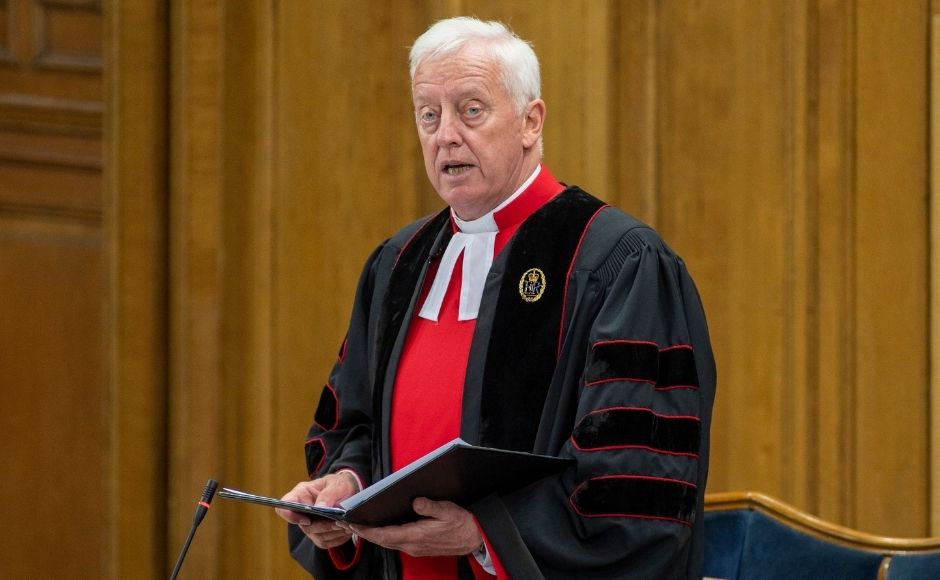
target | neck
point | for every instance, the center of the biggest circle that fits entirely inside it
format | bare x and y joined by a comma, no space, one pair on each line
528,168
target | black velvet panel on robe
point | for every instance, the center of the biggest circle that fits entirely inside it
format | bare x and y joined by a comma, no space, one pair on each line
523,347
635,496
633,427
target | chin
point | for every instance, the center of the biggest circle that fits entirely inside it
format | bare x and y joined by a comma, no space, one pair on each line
459,197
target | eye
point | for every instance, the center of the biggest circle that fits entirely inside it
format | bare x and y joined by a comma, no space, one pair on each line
427,116
474,110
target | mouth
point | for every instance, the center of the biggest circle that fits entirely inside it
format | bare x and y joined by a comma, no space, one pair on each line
454,169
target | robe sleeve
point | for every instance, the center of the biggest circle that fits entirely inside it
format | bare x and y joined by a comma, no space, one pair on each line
340,436
631,505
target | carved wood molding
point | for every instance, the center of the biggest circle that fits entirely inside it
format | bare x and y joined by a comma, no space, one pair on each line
55,214
49,114
47,54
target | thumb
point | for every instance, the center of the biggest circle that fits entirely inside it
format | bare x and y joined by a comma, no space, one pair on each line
425,507
328,498
336,489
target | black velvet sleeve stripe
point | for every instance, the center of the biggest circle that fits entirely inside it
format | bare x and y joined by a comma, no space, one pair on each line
327,414
628,427
642,361
635,496
677,368
315,451
623,360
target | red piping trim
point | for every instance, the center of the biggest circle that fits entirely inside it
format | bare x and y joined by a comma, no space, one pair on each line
675,346
646,477
618,379
204,504
672,387
643,447
634,380
622,408
564,298
623,341
649,342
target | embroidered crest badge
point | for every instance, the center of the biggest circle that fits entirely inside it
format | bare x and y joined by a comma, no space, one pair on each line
532,285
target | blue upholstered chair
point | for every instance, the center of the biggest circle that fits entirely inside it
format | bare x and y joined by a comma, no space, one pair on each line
750,536
913,566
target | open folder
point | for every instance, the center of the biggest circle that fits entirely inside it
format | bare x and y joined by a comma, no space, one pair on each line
456,471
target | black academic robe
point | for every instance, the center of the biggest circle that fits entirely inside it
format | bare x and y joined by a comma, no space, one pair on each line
590,344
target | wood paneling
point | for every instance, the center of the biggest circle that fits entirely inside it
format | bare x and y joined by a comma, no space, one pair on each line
934,202
52,420
63,35
891,233
136,230
52,318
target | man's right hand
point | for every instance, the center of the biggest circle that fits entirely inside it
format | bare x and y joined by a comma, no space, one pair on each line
327,491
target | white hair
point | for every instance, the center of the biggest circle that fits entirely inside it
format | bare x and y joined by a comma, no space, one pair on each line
518,63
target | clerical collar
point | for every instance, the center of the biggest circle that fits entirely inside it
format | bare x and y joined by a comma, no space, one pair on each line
487,222
476,240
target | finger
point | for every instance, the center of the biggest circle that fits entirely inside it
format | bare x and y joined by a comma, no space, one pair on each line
293,517
320,526
338,487
327,541
392,537
305,491
324,528
431,509
329,535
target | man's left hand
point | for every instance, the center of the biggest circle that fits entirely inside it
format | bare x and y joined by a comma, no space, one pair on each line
445,529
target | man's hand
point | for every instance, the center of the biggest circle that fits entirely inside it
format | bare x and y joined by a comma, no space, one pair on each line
327,491
445,530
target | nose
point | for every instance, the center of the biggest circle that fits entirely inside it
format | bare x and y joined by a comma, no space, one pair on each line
448,132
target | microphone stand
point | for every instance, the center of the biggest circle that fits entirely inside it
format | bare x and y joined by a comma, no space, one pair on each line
202,508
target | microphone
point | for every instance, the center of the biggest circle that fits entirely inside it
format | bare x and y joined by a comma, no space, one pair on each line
202,508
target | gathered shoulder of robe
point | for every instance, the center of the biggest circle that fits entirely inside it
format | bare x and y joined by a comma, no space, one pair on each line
603,357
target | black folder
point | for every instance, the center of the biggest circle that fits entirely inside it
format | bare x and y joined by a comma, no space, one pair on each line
457,472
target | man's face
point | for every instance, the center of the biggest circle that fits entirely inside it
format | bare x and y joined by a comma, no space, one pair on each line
472,139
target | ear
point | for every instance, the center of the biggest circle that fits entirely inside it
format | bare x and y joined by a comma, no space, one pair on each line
533,118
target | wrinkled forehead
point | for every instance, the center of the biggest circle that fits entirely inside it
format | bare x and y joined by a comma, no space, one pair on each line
472,62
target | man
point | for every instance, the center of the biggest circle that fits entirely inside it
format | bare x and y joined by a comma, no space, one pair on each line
526,316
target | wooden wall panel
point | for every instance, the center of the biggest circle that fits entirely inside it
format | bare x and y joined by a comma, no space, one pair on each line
722,183
52,423
136,186
52,282
934,202
891,417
